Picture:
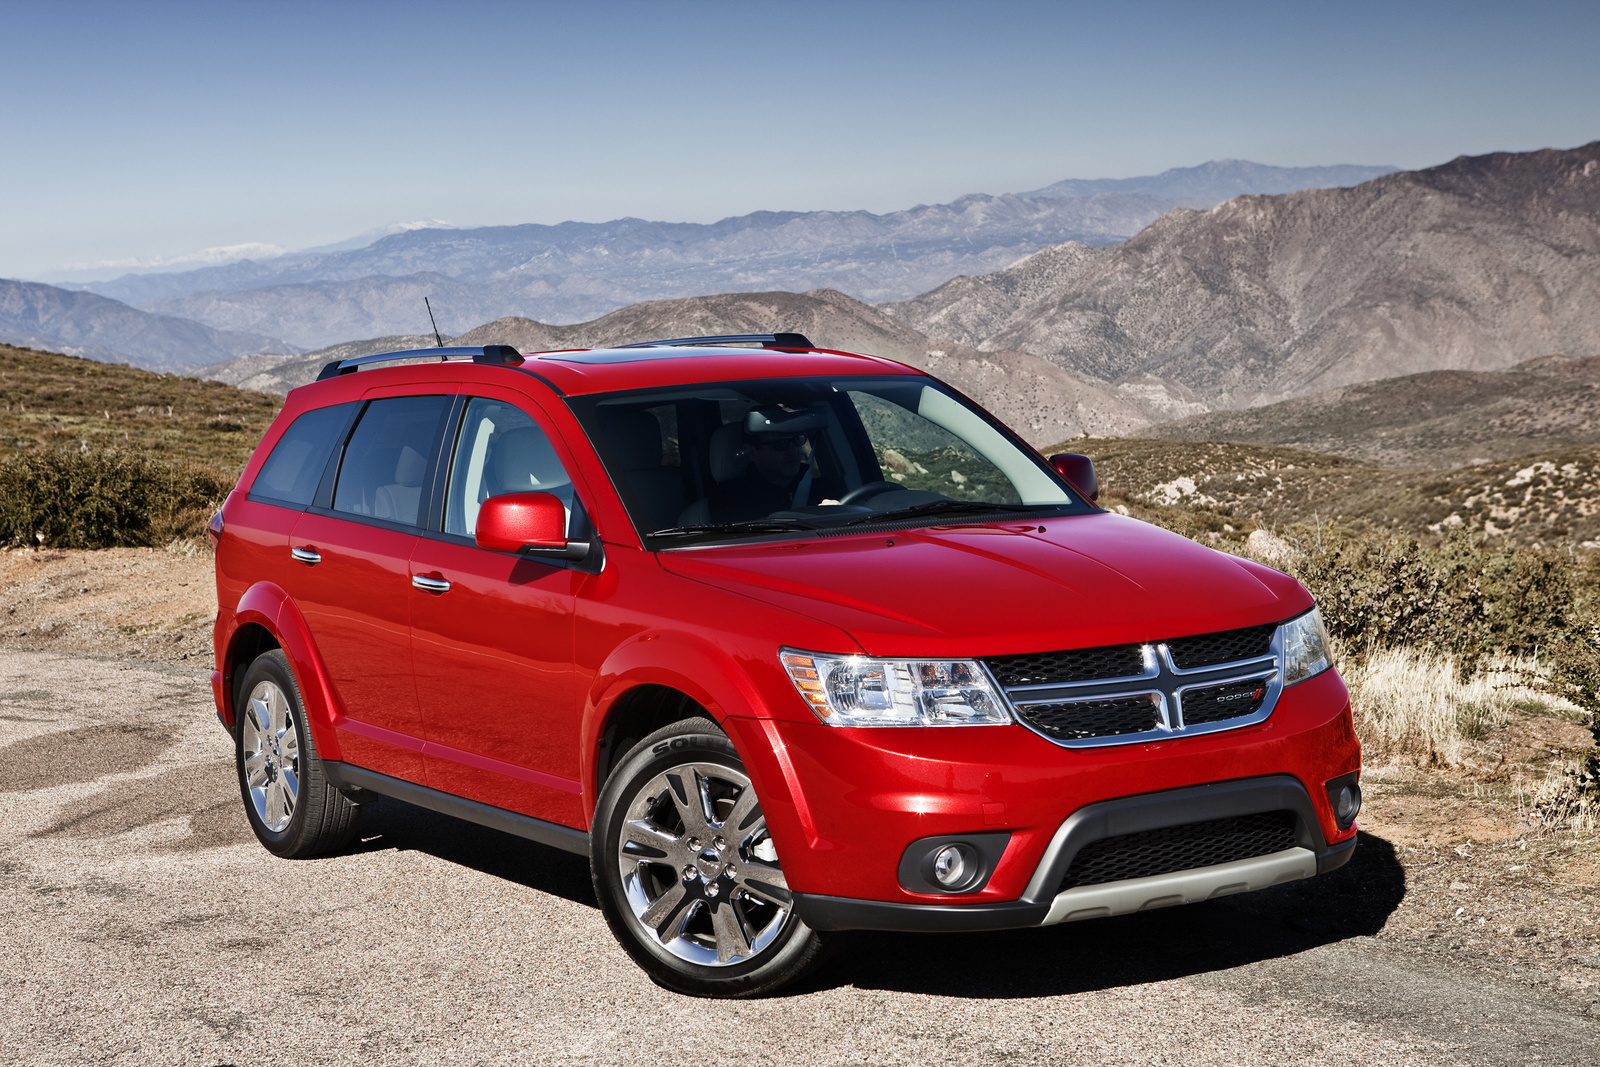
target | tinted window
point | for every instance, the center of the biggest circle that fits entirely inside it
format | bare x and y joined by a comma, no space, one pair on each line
290,475
500,450
387,458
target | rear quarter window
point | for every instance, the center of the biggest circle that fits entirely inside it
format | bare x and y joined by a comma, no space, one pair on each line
292,472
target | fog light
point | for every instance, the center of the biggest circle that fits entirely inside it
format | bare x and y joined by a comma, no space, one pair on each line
951,866
1344,794
1349,803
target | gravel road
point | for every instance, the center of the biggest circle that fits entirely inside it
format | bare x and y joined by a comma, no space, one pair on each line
144,925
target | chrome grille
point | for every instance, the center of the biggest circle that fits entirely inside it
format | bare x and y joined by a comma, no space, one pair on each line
1182,848
1125,694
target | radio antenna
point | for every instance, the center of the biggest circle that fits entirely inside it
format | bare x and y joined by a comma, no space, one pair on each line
436,336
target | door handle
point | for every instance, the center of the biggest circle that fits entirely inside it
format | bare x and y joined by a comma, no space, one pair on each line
309,556
430,585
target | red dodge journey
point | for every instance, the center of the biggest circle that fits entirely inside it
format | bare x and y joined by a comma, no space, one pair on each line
786,641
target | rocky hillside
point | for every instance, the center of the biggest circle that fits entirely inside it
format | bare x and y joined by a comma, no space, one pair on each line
1040,400
1547,498
1433,419
1479,264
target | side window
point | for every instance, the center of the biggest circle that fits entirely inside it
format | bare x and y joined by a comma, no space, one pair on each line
387,458
499,450
293,470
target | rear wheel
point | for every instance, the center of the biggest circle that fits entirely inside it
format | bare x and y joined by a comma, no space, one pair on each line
293,810
687,874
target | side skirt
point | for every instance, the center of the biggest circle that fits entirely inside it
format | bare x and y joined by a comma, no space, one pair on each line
346,776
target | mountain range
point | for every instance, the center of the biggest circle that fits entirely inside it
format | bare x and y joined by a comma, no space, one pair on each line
85,324
1040,400
577,271
1478,264
1221,179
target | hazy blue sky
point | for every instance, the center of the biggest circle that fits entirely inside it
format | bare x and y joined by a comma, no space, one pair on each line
156,129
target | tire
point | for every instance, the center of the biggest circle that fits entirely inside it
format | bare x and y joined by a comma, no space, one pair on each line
687,875
293,810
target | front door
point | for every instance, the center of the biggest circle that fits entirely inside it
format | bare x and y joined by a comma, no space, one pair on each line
492,631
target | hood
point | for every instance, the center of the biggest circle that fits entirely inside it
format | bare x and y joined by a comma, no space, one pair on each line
998,588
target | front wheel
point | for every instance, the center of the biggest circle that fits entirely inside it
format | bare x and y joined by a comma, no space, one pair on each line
687,875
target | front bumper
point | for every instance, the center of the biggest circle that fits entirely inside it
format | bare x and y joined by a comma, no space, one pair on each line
1043,904
851,801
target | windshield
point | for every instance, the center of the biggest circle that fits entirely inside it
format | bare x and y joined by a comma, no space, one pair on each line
790,455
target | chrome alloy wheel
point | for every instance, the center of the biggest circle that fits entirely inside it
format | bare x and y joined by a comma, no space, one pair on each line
271,746
699,870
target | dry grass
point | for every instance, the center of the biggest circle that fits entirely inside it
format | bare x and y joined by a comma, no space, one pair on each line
1414,709
1415,703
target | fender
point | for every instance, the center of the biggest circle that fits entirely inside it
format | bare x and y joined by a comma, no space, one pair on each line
716,680
268,605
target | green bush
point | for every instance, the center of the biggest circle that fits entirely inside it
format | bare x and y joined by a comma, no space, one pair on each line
1459,596
101,499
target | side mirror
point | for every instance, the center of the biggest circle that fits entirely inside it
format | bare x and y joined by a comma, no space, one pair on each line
1078,470
531,523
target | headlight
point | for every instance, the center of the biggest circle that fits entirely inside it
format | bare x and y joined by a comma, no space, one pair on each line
1306,652
857,691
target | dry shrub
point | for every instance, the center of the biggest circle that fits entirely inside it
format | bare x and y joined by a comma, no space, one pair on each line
1560,800
103,499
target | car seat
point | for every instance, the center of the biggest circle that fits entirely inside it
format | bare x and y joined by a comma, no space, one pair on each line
633,440
729,460
398,501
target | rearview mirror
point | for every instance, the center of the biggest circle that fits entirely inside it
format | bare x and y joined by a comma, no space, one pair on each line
1078,470
532,523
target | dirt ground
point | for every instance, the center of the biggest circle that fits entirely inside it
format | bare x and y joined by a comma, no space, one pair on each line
1468,876
150,603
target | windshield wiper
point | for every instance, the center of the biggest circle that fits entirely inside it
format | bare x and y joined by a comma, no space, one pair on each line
754,526
945,507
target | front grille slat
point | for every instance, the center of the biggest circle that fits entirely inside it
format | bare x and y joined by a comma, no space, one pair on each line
1208,650
1105,717
1182,848
1071,665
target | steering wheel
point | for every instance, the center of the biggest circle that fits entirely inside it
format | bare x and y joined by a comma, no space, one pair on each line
867,489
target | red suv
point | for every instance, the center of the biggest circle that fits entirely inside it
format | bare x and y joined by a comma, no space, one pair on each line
786,641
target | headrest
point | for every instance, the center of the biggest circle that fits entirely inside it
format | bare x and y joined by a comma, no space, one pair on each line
633,437
408,469
728,456
523,461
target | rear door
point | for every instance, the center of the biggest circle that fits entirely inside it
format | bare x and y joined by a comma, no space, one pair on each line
492,631
351,578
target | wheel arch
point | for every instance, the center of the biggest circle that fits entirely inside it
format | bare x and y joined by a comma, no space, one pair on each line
266,618
660,677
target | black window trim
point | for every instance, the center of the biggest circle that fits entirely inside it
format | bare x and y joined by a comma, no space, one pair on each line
329,465
439,490
323,503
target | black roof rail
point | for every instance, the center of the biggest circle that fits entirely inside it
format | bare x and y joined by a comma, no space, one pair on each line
502,355
765,340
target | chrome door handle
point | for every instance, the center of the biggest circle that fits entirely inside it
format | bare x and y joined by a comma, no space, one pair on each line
431,585
309,556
